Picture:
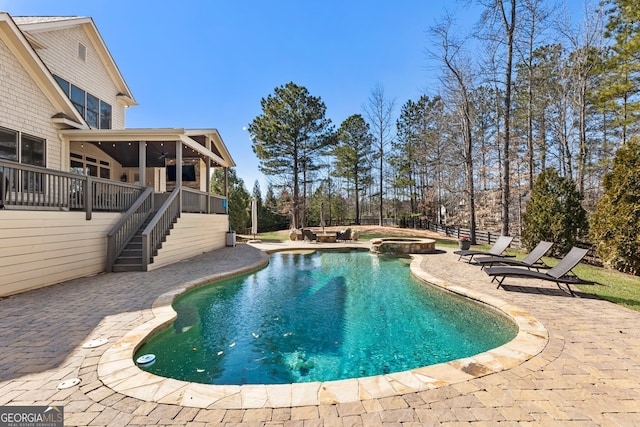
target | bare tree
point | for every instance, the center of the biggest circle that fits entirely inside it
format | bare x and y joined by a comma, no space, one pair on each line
535,19
587,45
503,13
457,80
379,112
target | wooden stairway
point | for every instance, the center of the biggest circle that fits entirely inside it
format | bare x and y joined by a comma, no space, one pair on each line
131,257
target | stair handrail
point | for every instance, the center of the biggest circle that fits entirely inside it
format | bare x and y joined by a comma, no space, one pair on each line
121,233
160,224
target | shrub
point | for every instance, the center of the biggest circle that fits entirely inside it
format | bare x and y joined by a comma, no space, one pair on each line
554,213
616,221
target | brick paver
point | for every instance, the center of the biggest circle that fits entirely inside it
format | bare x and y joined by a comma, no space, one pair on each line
588,374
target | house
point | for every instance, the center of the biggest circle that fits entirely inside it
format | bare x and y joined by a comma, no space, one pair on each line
80,193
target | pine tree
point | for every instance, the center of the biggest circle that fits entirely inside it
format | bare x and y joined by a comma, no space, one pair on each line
352,154
554,213
615,223
287,136
623,68
269,216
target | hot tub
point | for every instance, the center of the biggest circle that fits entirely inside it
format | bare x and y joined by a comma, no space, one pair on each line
402,246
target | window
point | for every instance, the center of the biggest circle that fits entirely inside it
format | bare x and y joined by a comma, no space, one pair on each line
27,149
96,112
21,147
63,84
92,169
105,173
78,99
93,105
77,167
32,150
105,115
8,144
89,166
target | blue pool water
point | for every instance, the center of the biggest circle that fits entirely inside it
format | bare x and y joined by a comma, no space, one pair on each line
319,317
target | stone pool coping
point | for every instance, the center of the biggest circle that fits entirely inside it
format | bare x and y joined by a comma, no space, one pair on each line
117,370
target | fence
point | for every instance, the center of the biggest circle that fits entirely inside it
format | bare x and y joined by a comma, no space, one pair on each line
482,237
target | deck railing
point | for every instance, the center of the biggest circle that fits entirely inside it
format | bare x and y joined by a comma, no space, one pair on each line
156,231
180,200
34,187
194,201
123,231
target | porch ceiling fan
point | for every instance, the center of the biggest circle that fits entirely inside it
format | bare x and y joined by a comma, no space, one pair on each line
165,155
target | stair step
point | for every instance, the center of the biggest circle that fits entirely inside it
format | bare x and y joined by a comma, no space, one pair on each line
131,257
131,252
127,261
121,268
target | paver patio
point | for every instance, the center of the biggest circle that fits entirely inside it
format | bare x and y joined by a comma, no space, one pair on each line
588,374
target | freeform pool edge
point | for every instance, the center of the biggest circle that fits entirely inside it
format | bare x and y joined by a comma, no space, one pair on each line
117,370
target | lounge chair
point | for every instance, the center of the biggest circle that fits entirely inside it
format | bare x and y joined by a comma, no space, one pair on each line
498,248
532,260
308,235
344,235
561,273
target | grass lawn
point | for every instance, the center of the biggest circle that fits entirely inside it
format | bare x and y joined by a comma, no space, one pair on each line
610,285
619,288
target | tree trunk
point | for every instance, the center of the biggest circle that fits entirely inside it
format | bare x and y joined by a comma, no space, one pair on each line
543,141
530,116
380,217
506,175
295,216
471,198
357,193
582,152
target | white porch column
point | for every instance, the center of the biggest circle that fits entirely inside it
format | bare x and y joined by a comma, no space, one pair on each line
207,180
208,167
178,163
142,162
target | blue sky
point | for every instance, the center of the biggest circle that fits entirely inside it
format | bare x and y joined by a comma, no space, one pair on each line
207,64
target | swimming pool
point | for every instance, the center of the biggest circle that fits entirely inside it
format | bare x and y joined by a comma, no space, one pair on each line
319,316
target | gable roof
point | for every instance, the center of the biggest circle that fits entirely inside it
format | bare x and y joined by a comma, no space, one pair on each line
35,24
22,20
22,50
